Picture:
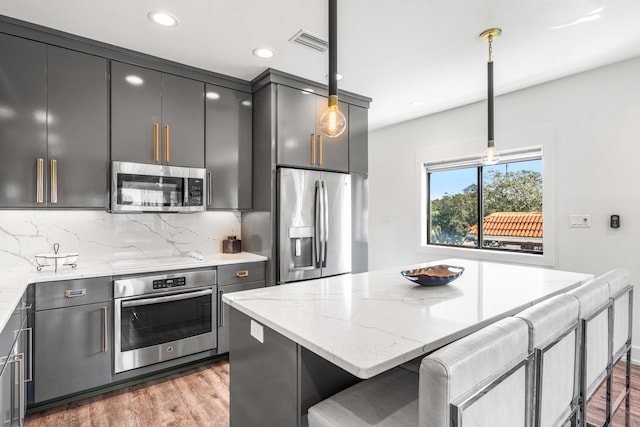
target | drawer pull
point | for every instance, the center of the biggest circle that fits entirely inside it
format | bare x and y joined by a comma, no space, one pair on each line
74,293
242,273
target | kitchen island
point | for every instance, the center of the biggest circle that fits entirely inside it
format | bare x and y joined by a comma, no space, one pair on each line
296,344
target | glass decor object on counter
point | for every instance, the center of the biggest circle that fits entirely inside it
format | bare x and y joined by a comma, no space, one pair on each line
56,259
434,275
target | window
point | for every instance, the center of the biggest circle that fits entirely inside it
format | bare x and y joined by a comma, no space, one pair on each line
507,196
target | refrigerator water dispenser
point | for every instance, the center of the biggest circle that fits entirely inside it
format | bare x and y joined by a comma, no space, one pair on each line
301,241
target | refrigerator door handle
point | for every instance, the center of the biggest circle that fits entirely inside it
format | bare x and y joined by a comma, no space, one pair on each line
325,239
317,232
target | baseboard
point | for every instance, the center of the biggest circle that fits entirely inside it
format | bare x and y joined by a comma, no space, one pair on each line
635,355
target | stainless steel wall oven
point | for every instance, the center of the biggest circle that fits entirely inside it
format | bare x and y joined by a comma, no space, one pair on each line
163,317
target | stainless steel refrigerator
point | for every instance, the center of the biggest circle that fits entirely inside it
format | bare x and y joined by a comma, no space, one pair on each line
314,224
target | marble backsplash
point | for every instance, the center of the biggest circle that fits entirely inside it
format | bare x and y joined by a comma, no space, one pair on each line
103,237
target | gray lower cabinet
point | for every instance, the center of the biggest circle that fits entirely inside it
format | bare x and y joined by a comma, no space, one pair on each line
234,278
228,148
299,141
14,362
72,337
53,126
156,117
275,381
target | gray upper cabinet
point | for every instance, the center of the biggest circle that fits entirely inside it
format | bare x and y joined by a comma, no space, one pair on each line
136,113
228,148
156,117
183,121
53,132
299,141
23,117
358,139
77,92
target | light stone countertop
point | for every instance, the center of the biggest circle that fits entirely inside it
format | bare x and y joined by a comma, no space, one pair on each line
370,322
15,282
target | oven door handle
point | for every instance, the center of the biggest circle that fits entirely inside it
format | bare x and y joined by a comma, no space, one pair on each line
158,300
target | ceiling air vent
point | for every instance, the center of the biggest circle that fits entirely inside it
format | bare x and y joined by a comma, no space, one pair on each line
305,38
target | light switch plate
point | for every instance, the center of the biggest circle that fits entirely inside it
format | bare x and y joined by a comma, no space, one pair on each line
257,331
579,221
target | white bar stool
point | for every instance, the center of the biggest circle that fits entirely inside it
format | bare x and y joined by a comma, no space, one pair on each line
554,338
621,295
595,312
479,380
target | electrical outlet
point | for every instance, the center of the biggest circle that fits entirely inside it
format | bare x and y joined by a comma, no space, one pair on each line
257,331
579,221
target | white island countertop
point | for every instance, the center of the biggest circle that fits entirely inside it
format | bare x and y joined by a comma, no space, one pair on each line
370,322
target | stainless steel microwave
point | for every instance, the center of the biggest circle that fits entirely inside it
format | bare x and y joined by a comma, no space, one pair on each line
139,187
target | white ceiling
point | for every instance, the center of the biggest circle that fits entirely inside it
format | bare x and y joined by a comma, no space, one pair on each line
393,51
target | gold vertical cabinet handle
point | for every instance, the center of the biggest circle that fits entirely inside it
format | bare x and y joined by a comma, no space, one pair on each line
105,330
156,143
19,359
242,273
53,166
166,143
312,141
40,180
30,357
321,157
220,309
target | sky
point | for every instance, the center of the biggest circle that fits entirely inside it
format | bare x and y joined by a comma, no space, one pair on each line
455,181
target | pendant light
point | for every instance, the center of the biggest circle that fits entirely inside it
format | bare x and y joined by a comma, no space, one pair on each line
332,122
490,156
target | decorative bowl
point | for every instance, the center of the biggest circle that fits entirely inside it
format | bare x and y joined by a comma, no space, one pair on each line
434,275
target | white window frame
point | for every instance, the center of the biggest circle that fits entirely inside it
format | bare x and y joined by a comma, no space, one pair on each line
539,139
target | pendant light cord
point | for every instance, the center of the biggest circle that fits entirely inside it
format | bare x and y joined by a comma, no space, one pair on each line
490,141
333,47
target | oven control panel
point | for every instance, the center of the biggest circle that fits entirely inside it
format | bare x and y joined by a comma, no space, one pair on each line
169,283
182,280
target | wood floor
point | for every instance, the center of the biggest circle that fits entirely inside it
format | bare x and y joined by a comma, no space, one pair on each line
596,405
200,397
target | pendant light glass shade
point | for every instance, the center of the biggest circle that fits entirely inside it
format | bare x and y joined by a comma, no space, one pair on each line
332,122
490,156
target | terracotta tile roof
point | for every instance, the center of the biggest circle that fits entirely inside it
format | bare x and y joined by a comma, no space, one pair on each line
512,224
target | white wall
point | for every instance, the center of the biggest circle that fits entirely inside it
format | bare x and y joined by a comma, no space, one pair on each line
595,122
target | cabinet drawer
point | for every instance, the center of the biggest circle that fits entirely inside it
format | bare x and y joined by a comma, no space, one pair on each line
240,273
70,293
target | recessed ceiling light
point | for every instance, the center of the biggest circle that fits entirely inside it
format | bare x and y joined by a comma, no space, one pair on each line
246,103
134,80
213,95
338,76
417,103
163,18
263,52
